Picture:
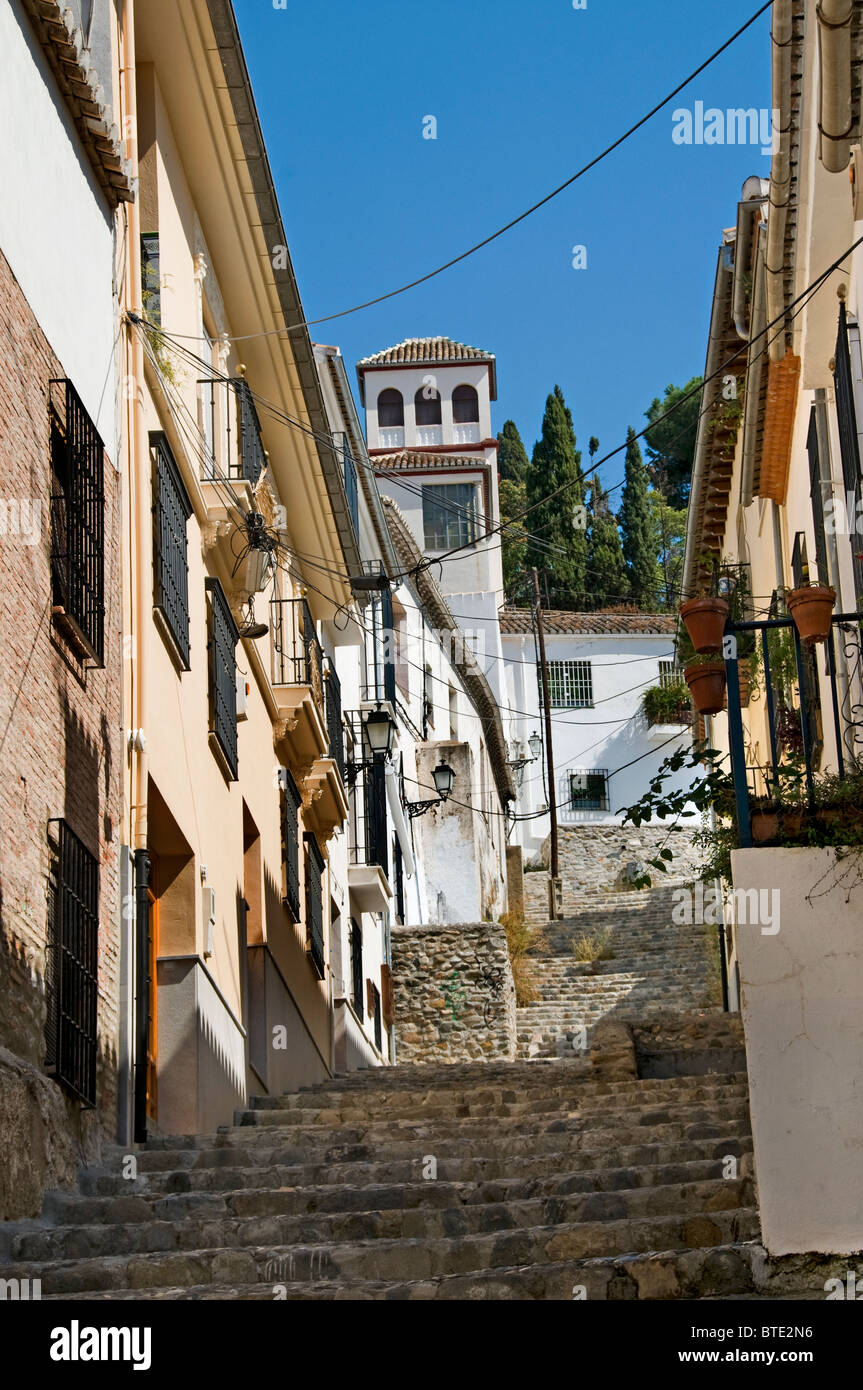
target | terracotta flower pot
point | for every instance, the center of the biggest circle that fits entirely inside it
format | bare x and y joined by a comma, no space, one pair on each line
765,826
705,622
812,609
706,681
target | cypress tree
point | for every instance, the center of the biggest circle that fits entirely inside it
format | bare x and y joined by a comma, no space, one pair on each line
513,500
607,578
512,459
560,522
636,523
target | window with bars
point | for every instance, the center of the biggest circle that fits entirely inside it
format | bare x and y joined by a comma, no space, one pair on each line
848,443
151,281
357,969
171,512
449,515
72,963
589,790
223,675
77,522
399,870
570,685
314,903
290,812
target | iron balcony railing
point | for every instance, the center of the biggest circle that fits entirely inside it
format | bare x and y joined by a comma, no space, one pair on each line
298,657
315,903
797,720
227,410
368,800
72,964
380,674
335,729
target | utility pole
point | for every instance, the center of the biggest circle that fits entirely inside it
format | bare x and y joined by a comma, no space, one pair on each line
549,755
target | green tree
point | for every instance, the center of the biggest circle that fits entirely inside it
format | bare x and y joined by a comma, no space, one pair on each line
512,459
670,443
669,539
513,500
607,579
558,526
636,523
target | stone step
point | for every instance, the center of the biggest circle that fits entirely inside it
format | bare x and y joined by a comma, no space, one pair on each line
201,1230
287,1169
390,1260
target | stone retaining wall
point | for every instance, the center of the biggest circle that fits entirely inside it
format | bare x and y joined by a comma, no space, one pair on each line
594,860
454,994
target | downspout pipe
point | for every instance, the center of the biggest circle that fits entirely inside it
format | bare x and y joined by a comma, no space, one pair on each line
835,118
780,171
138,481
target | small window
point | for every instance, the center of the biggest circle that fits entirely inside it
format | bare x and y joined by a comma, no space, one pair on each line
357,969
399,885
222,645
589,790
314,904
449,515
570,685
77,523
391,409
72,963
465,406
427,406
290,808
151,283
669,673
428,696
171,512
453,712
373,999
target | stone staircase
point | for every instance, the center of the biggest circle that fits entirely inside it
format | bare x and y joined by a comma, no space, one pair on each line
656,967
496,1181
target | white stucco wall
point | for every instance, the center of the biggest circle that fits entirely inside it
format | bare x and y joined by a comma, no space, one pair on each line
56,229
803,1020
608,736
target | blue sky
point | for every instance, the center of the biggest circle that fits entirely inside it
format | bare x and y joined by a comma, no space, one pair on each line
524,93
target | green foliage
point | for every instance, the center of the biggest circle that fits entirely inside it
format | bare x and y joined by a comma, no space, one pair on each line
512,459
608,580
558,520
513,500
669,540
662,704
670,442
639,544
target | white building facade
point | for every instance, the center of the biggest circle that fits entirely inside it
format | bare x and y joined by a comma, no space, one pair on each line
606,746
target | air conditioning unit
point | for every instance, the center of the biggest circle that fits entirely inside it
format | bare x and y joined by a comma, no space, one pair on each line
209,902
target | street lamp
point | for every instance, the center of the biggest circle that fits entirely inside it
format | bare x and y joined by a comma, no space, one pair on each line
379,730
444,778
534,743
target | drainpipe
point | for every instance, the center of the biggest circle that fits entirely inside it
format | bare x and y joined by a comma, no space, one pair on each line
835,119
138,470
780,173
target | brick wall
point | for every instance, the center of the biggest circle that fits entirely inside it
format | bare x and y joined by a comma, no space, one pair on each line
60,756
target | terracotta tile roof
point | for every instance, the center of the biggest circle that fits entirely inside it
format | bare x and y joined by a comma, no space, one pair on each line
418,351
416,460
518,620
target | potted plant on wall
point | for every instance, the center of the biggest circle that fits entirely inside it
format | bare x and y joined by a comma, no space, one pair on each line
811,606
705,676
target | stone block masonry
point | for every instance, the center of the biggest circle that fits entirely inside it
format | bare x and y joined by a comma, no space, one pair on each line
454,994
60,757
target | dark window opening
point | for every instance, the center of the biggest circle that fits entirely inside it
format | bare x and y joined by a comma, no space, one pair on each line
589,790
223,675
449,515
291,803
151,283
77,523
391,409
427,406
465,406
373,996
72,964
314,903
171,512
357,969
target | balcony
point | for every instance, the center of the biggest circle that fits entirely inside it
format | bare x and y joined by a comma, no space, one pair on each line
392,437
349,475
429,436
328,805
233,448
368,867
466,434
298,686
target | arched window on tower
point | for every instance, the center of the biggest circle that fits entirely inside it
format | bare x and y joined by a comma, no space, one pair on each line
465,406
391,409
427,404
